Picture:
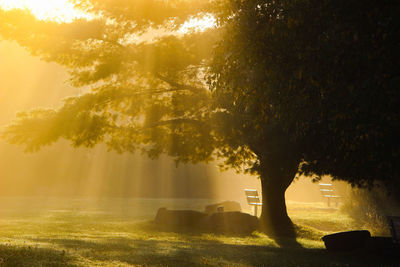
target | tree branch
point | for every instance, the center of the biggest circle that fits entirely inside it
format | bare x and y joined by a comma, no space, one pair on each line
178,85
172,121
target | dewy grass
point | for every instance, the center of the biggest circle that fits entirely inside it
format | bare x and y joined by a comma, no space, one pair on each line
92,236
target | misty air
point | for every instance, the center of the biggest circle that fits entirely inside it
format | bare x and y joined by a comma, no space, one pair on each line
199,133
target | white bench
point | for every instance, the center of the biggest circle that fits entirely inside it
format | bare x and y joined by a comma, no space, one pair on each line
253,199
328,192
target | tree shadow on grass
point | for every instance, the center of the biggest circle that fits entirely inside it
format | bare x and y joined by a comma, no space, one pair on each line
28,256
286,242
191,251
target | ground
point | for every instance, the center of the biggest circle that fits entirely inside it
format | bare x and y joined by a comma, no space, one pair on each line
120,232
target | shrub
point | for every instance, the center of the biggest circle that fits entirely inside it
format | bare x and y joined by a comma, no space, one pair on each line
370,208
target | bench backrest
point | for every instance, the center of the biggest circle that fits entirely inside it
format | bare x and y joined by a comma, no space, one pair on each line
326,190
252,197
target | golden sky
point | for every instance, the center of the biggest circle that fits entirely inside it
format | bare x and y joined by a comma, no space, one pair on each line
56,10
64,11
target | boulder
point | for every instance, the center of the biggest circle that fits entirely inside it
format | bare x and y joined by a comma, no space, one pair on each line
347,241
229,223
223,206
178,219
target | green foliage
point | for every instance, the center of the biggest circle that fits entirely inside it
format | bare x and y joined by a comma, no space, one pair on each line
148,89
145,95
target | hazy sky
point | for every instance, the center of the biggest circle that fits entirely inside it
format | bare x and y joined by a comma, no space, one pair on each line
58,10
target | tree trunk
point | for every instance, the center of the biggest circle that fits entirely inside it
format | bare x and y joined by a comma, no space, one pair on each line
274,218
276,176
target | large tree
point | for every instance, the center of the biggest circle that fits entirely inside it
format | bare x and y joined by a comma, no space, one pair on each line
278,88
323,81
329,70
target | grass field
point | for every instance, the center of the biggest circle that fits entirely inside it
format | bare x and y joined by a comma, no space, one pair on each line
120,232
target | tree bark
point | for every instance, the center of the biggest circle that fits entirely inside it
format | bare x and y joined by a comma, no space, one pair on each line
276,176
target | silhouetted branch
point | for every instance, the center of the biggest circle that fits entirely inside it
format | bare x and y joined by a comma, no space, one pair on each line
173,121
178,85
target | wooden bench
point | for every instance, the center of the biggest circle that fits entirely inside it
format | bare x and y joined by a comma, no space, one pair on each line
384,244
253,199
328,192
394,224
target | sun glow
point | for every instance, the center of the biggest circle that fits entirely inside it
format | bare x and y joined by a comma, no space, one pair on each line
54,10
198,24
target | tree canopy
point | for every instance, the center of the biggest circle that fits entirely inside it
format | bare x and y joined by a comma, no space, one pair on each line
276,88
138,88
329,72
